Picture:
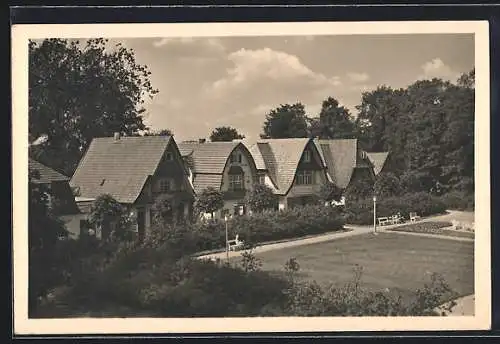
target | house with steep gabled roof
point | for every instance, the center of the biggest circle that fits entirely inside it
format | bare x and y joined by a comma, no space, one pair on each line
378,160
225,166
345,161
134,171
59,194
292,167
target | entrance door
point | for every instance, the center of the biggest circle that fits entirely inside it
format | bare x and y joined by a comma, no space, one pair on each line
141,224
180,212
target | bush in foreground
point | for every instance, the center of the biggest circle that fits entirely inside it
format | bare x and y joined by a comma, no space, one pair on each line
147,282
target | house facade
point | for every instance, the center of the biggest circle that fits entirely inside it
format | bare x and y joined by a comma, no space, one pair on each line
135,171
59,194
225,166
292,168
296,168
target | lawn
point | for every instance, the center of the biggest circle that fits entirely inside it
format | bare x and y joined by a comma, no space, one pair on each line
389,260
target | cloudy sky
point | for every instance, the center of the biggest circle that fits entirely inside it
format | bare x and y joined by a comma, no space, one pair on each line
208,82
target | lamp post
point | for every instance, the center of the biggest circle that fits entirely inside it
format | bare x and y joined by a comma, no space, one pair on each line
227,246
374,214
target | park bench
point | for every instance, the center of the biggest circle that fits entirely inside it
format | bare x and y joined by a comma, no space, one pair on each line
235,243
395,219
382,221
414,217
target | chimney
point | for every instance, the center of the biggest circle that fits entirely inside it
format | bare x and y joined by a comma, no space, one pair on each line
201,140
117,136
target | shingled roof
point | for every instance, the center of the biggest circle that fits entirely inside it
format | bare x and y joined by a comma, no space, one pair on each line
378,160
280,157
46,174
340,156
119,167
207,160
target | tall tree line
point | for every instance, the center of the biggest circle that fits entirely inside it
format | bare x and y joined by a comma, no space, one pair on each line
428,128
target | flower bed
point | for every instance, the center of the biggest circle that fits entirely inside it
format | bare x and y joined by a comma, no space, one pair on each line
439,228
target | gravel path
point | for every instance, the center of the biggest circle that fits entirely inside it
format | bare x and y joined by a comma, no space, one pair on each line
464,306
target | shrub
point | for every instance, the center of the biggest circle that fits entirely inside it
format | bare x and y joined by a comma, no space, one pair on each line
296,222
361,211
456,200
387,185
209,201
329,191
261,198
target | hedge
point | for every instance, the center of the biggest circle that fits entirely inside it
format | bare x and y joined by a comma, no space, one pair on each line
291,223
361,211
456,200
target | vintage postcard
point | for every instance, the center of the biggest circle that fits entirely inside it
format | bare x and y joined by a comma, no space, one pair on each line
251,177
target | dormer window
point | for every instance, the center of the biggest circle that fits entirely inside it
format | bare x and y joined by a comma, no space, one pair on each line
165,185
307,156
235,157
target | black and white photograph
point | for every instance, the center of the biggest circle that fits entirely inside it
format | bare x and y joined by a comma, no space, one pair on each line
231,177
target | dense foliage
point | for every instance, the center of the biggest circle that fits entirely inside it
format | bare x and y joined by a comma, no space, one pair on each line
225,133
209,201
261,197
81,90
112,218
286,121
360,211
44,233
146,281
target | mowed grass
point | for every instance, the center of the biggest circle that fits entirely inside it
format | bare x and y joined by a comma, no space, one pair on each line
398,262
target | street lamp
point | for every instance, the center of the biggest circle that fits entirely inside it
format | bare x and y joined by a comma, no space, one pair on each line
227,239
374,214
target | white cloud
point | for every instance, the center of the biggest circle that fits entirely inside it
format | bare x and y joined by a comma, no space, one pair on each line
267,69
191,46
436,68
358,77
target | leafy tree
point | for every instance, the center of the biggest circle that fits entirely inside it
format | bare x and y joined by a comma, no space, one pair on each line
286,121
334,122
387,184
429,129
329,192
112,217
161,132
359,188
261,197
162,210
225,134
81,90
209,201
467,80
44,232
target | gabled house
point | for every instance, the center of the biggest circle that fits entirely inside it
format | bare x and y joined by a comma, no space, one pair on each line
134,171
378,160
225,166
60,196
292,167
345,161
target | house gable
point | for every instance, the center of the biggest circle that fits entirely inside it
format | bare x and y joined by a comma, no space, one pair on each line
170,177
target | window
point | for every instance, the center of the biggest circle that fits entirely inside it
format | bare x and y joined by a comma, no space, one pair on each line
169,156
262,179
235,182
304,177
165,185
307,156
235,157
